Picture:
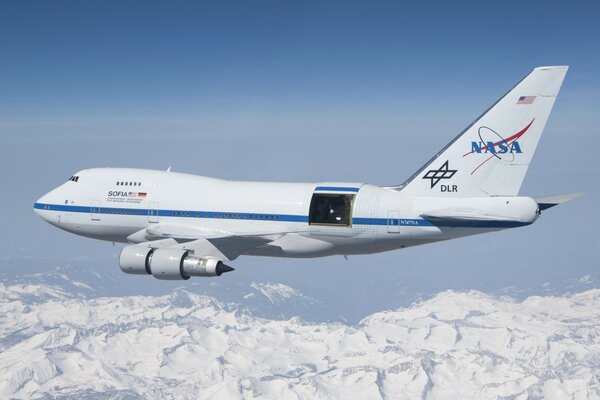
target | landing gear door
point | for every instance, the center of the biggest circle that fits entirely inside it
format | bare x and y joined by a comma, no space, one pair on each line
153,213
95,211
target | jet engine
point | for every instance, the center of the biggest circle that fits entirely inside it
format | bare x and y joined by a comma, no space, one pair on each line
136,260
168,263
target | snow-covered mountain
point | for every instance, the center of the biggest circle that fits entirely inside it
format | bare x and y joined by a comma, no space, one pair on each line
262,299
57,344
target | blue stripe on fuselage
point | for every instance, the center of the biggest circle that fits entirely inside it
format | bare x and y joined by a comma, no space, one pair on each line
172,213
404,222
391,222
336,189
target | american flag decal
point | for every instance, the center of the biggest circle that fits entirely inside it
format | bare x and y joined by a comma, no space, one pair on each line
526,99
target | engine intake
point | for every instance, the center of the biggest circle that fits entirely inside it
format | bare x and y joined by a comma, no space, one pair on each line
135,260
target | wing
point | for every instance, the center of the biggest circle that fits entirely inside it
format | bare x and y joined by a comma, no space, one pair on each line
219,244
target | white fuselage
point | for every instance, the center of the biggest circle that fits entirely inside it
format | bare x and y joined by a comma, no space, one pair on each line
180,225
127,205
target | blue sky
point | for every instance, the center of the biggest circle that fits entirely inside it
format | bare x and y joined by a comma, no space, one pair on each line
294,60
300,91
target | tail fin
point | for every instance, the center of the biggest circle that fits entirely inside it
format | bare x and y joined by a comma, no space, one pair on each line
491,156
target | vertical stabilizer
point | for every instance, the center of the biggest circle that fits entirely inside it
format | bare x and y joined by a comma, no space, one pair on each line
491,156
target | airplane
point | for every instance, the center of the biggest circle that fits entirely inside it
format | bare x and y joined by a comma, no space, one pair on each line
179,225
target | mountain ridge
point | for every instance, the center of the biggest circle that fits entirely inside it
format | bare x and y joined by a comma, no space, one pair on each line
56,344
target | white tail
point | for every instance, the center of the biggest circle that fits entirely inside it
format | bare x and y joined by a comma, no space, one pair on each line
491,156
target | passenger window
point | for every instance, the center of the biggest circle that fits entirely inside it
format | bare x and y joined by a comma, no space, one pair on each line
331,209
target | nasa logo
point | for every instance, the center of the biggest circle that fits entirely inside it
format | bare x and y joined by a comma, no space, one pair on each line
492,144
496,148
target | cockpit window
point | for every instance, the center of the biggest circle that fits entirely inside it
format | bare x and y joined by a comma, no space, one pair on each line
74,179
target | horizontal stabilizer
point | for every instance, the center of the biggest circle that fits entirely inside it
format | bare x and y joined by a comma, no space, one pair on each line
551,201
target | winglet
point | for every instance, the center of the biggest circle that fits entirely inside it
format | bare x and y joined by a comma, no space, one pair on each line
550,201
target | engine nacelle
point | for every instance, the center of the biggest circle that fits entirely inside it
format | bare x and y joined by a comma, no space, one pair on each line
167,264
135,260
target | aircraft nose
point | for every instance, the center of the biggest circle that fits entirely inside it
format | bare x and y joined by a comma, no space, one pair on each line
40,206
